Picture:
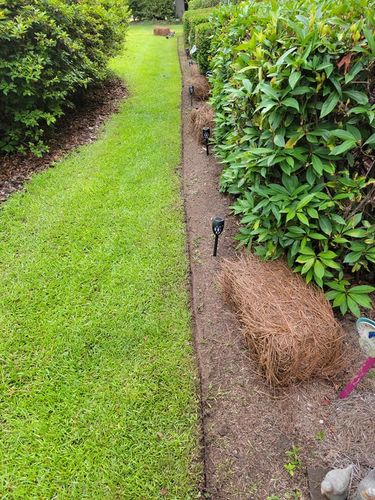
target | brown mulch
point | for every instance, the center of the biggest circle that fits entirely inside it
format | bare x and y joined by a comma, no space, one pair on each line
246,426
79,126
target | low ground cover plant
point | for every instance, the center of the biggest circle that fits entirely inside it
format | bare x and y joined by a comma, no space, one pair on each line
49,50
294,95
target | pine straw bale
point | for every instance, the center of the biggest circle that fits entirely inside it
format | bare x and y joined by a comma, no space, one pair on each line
201,116
194,69
289,325
161,31
201,87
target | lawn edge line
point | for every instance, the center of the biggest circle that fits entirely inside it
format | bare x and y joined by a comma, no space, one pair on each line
193,320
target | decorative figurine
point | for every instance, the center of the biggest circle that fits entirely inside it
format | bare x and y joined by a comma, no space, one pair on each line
335,485
366,331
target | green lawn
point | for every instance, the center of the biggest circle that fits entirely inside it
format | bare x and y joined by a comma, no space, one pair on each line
98,381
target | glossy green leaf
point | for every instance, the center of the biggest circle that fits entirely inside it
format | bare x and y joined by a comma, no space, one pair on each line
329,105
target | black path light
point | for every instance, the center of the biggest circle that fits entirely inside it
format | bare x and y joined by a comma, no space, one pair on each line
217,229
187,52
191,92
206,136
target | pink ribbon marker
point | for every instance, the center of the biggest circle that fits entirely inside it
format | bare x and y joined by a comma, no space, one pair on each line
366,330
365,368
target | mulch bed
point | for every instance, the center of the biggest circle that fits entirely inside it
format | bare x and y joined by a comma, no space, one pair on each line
78,127
247,427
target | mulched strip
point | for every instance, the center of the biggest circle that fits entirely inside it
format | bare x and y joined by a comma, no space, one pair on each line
78,127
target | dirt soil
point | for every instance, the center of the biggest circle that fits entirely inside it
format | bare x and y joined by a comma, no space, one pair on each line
78,127
248,427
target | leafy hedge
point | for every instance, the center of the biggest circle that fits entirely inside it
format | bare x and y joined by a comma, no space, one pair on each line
294,94
49,49
203,34
191,19
202,4
152,9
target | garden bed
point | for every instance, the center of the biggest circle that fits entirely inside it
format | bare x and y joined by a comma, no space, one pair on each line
252,434
78,127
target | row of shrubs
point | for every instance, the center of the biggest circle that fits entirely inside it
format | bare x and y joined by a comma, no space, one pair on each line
152,9
198,32
49,50
202,4
293,88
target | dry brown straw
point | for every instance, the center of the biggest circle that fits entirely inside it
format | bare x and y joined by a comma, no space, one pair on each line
201,116
289,325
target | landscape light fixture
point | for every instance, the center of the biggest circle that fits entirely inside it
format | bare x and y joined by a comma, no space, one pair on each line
187,52
206,135
191,92
217,229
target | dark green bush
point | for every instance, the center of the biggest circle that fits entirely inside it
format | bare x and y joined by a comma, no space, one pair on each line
294,95
191,19
202,4
50,49
152,9
203,34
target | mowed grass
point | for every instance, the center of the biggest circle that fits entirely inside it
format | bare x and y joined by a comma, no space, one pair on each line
98,394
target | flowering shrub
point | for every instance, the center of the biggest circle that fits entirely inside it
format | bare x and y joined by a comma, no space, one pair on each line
49,49
294,95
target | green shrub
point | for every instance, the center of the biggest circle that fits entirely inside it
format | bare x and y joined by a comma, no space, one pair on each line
202,4
293,91
191,19
203,34
49,49
152,9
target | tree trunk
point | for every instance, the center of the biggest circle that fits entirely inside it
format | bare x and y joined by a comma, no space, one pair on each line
180,8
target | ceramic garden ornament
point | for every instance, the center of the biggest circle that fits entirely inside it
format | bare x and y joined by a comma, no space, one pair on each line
366,488
335,485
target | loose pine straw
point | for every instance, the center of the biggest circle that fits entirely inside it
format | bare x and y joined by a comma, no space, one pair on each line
201,86
161,31
201,116
289,326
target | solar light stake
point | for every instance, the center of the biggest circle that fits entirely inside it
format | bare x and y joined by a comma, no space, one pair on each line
191,92
206,135
187,52
217,229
